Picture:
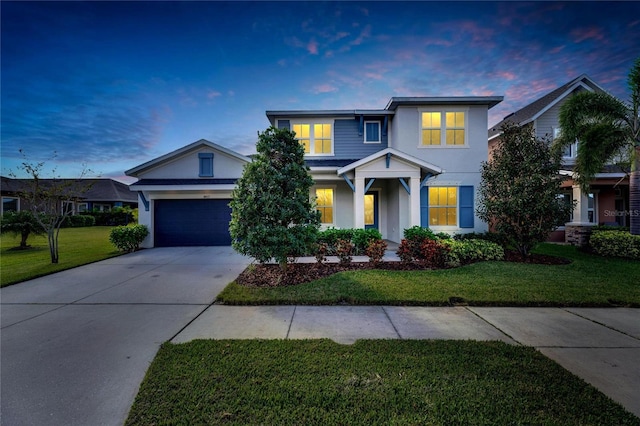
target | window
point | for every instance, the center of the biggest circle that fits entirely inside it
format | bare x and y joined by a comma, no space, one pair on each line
83,207
369,209
570,151
324,204
67,207
448,132
443,206
205,160
102,207
371,132
315,138
591,208
10,204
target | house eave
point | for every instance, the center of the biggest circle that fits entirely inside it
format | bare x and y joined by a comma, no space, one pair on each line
432,168
490,101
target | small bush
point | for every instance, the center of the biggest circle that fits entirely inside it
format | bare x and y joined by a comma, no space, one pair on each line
487,236
118,216
616,244
418,233
431,253
405,252
344,251
128,238
375,250
362,237
462,252
321,252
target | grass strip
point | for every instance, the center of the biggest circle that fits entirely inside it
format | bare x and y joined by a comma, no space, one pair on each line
246,382
590,280
77,246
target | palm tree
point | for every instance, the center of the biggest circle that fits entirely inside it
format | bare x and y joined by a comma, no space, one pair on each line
605,127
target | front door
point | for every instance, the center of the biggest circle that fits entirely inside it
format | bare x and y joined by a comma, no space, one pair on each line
371,213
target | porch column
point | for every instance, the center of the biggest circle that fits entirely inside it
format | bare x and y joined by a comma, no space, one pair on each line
581,211
414,201
358,203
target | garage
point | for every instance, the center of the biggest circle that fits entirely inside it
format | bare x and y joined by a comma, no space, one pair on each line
199,222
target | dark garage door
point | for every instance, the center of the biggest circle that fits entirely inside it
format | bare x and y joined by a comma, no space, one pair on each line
192,223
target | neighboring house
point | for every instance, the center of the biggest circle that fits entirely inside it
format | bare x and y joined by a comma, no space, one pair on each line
94,194
414,162
608,199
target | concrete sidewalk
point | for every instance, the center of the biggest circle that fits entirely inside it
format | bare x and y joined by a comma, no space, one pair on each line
602,346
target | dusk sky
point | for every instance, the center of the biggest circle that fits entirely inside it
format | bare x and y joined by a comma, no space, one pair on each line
116,84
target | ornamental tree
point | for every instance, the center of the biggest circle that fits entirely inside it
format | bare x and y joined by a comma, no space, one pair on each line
21,223
520,188
272,215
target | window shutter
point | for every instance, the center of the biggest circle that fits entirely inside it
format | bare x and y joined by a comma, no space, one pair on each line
206,164
424,206
466,206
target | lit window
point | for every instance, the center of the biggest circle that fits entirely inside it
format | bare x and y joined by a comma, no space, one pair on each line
431,128
324,204
372,132
450,131
315,138
369,209
443,206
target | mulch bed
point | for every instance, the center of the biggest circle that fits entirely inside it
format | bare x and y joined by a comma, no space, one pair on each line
269,275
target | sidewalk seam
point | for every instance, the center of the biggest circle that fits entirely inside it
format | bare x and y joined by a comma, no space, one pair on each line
494,326
391,322
189,323
599,323
295,307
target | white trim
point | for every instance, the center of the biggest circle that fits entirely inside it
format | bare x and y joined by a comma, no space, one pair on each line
311,122
379,141
443,127
566,93
199,188
182,151
394,152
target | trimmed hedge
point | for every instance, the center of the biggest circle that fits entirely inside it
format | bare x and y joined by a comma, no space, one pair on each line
128,238
78,221
463,252
360,238
615,243
117,217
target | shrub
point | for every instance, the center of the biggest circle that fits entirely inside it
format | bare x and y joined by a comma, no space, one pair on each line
462,252
375,250
418,233
428,252
21,223
362,237
405,251
615,243
487,236
344,251
321,252
78,221
331,236
128,238
118,216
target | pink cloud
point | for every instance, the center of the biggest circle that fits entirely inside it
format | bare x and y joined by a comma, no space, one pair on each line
581,34
312,47
325,88
557,49
212,94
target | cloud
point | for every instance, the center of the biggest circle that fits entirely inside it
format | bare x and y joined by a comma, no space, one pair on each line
312,47
324,88
590,33
212,94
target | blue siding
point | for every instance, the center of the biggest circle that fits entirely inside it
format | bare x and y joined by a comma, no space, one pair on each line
466,206
349,142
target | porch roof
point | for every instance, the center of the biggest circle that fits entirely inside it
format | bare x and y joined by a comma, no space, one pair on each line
423,165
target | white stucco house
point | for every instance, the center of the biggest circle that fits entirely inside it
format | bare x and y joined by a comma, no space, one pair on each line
414,162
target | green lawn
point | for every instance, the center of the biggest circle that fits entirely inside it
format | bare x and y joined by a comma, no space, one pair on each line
78,246
589,280
318,382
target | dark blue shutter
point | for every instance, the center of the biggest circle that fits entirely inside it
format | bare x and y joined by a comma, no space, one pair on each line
466,206
206,164
424,206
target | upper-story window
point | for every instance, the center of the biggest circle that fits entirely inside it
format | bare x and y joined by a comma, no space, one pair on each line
571,151
205,160
316,138
443,128
371,132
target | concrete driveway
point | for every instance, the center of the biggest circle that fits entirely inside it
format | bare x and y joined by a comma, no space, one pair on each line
75,345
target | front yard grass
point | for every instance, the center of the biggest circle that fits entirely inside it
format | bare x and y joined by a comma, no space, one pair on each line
78,246
590,280
303,382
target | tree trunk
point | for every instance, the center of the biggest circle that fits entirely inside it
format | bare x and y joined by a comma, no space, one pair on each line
634,202
52,236
23,238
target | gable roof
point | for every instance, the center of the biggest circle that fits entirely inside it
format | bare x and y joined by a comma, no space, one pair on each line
530,112
184,150
393,152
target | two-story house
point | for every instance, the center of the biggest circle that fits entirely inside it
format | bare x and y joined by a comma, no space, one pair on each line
414,162
608,199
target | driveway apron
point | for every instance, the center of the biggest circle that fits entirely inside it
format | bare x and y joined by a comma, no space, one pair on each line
75,345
